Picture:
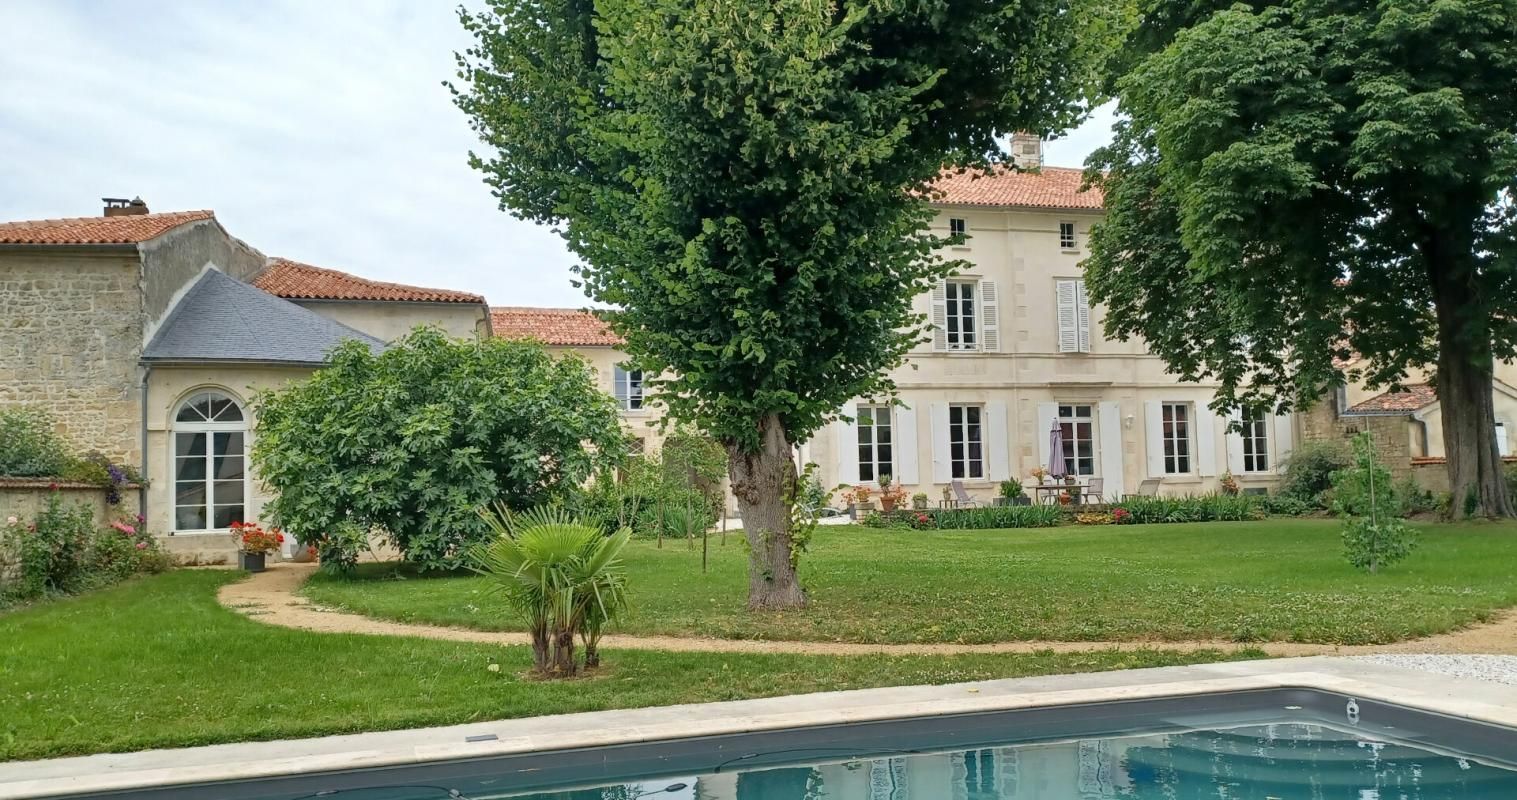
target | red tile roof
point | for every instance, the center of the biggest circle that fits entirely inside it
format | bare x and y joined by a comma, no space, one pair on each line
1416,396
293,280
1049,187
555,326
130,229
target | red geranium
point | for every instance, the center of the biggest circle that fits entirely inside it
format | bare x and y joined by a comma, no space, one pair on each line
251,538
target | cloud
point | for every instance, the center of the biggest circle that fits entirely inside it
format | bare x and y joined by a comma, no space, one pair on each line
318,131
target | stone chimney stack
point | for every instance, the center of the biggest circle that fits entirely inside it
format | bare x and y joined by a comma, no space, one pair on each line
1027,150
121,207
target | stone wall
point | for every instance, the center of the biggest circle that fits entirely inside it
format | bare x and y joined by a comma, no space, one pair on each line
1391,434
23,497
70,336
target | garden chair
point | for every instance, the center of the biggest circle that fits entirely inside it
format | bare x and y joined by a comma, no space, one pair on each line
1148,488
1094,493
961,498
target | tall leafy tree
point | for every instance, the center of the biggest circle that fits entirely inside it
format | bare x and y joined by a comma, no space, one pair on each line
746,183
1295,182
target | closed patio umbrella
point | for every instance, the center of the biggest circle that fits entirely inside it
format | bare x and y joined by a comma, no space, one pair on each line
1056,465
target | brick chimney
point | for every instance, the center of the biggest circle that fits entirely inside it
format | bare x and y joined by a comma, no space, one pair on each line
121,207
1027,150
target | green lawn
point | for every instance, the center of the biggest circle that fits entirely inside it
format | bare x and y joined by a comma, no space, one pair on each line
158,663
1282,579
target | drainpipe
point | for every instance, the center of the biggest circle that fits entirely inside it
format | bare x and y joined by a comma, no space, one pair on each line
142,438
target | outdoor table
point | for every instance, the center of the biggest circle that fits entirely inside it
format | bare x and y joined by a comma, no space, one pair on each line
1047,493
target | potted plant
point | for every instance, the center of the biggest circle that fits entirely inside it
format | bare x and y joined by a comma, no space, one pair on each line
859,498
1229,483
919,501
1011,492
254,544
1040,474
892,495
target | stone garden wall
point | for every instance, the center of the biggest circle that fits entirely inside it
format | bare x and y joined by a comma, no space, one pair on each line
23,497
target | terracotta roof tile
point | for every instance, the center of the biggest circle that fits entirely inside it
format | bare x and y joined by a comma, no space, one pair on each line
1416,396
293,280
555,326
1049,187
130,229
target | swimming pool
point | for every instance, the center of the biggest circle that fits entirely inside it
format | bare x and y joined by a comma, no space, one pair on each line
1245,745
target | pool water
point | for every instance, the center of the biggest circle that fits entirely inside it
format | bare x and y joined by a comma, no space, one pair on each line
1281,761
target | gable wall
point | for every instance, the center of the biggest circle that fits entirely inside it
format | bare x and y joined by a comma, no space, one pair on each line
70,337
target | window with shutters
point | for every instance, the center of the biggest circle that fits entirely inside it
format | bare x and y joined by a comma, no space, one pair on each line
875,443
1067,236
629,388
1077,428
958,230
1255,443
1073,311
961,310
210,463
1176,419
966,445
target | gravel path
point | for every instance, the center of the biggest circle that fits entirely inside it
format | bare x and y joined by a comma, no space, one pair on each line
1501,669
270,597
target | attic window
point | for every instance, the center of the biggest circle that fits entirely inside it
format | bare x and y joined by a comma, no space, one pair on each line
1066,236
957,229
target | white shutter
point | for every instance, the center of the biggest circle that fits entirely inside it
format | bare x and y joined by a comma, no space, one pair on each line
990,309
1153,423
1069,335
904,439
1234,444
1285,441
940,316
995,431
1047,413
942,470
1503,444
1112,479
1206,441
848,446
1082,316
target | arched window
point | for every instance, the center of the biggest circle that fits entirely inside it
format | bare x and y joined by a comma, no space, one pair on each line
210,462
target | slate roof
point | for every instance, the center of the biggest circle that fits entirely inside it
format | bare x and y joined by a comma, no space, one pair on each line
555,326
296,281
1416,397
130,229
1049,187
223,319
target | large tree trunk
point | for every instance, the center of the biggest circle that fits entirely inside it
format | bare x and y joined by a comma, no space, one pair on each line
1476,478
1464,384
761,481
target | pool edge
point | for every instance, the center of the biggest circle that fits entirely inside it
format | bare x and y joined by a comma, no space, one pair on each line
1457,697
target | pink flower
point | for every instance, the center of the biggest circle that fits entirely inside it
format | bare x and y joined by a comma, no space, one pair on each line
11,520
123,527
142,545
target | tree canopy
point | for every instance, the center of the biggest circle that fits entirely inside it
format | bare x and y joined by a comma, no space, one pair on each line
1306,192
412,442
746,182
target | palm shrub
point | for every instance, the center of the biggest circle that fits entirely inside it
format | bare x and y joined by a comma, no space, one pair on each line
1374,535
562,575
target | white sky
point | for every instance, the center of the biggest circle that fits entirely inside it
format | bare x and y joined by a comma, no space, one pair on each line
317,130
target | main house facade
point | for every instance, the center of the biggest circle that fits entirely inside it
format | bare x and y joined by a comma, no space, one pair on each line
146,335
1016,350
